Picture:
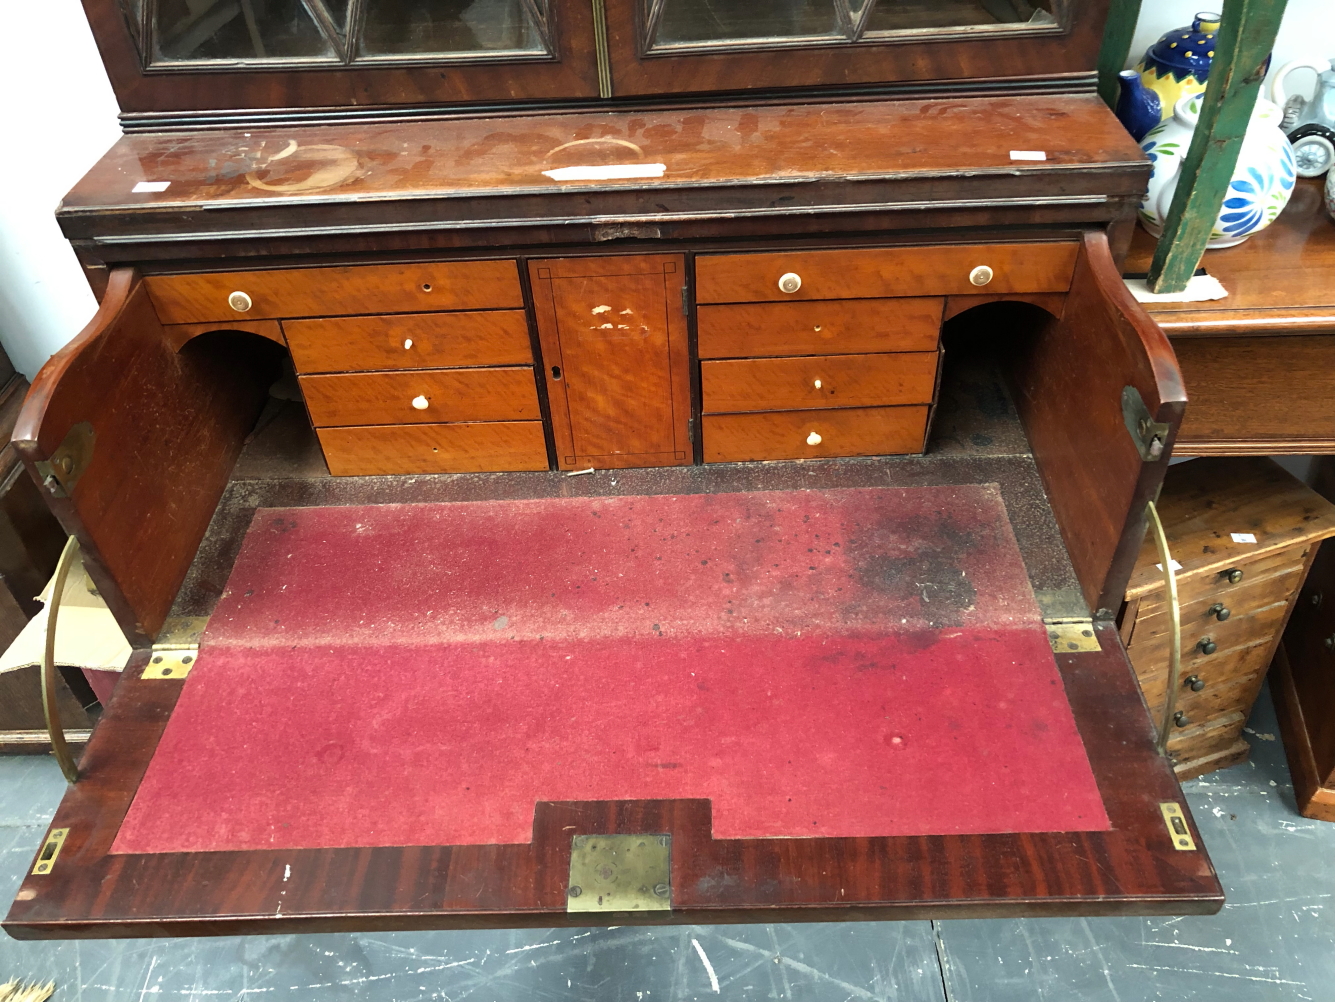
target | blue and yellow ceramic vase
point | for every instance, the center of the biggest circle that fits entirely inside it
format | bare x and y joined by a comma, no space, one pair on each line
1174,67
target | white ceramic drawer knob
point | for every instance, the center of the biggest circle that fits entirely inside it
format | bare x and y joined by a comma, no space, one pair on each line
407,343
239,301
816,383
790,282
421,403
981,275
813,438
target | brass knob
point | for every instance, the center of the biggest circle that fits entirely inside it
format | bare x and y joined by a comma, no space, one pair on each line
1207,646
421,403
790,282
981,275
1194,682
239,301
813,438
1233,575
1180,719
1219,611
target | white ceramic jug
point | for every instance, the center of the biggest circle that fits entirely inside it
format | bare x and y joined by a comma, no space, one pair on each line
1262,181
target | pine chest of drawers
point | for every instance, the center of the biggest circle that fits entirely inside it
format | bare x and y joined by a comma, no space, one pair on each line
1244,532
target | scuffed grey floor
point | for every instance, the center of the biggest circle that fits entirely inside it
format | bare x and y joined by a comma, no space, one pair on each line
1273,940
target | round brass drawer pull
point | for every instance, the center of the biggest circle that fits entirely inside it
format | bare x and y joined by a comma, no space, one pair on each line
790,282
421,403
1219,611
1194,682
981,275
239,301
814,438
1233,575
1207,646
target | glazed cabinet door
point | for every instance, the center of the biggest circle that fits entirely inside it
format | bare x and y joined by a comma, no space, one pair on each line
668,46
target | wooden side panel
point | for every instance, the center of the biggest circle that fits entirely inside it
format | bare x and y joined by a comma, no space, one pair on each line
422,396
324,292
168,427
820,327
942,270
1069,394
410,341
616,360
1258,394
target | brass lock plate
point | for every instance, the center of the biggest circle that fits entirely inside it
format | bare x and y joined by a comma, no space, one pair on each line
67,464
620,873
1176,823
46,859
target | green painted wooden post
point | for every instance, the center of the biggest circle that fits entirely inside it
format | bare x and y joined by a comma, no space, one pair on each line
1122,18
1246,37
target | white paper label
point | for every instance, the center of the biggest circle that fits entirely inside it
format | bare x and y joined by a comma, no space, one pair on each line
609,172
1243,537
1029,155
146,186
1176,566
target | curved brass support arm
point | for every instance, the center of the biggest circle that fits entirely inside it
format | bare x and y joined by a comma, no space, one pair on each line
1175,627
57,733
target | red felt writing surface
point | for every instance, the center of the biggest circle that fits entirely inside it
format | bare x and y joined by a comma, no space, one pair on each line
838,663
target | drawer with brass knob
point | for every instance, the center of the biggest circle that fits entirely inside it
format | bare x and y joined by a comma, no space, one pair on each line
1242,532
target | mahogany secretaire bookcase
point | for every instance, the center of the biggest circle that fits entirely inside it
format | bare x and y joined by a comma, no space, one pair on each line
824,293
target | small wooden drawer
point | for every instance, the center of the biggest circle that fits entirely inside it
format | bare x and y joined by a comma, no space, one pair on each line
1229,684
410,341
1197,741
1218,588
1255,612
821,327
943,270
421,396
772,384
322,292
434,448
855,431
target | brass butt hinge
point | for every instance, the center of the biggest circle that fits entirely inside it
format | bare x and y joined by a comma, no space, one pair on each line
1176,822
1150,436
620,873
1072,635
67,464
177,647
46,859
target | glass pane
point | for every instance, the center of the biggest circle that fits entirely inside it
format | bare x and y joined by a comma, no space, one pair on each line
909,15
412,27
751,20
133,10
237,29
338,14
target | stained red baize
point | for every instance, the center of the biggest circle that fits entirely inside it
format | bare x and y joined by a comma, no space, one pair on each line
837,663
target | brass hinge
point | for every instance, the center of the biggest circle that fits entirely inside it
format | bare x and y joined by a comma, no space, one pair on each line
1150,436
1176,822
1073,635
177,648
685,301
620,873
67,464
46,859
690,429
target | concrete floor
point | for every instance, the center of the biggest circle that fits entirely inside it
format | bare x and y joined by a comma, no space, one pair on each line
1273,940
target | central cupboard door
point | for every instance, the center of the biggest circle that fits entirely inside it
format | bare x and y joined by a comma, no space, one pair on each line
615,355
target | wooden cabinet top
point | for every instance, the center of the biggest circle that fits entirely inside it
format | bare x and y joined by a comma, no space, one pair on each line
627,166
1280,281
1206,501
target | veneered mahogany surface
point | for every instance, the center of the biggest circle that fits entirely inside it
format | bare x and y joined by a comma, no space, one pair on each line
762,160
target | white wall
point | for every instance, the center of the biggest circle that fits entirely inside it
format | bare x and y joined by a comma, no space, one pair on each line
59,118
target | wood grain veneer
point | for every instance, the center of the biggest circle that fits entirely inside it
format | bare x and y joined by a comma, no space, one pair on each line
434,448
853,431
352,398
410,341
771,384
828,327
